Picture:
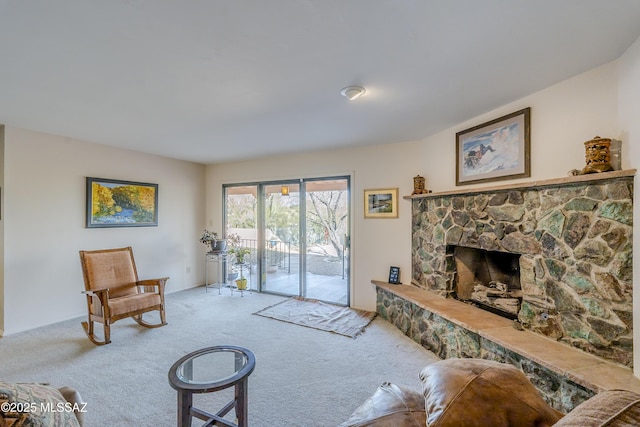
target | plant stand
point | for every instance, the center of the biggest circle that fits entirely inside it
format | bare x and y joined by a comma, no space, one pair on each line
221,259
241,267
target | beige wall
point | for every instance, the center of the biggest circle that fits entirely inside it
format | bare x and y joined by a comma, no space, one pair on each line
1,229
44,217
43,194
376,243
563,117
629,102
603,101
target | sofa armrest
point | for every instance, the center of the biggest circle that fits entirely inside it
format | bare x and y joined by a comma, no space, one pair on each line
74,398
613,408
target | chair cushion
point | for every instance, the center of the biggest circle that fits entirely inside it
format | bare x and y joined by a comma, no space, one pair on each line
110,269
389,406
613,408
477,392
132,303
34,405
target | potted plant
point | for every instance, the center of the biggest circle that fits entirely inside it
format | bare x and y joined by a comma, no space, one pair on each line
210,238
241,283
240,252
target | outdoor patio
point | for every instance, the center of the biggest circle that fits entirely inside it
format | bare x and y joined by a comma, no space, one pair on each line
324,279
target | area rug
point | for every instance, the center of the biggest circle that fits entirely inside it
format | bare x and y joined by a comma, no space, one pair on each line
320,315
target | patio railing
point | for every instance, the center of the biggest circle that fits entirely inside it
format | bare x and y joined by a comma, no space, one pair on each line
277,253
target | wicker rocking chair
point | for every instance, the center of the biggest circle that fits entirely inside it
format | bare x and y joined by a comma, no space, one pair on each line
114,292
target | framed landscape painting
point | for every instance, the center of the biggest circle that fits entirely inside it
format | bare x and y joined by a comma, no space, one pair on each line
381,203
115,203
496,150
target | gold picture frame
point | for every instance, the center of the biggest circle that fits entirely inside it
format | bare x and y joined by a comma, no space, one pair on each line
117,203
381,203
496,150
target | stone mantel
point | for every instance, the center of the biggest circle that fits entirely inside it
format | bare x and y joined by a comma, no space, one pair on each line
567,181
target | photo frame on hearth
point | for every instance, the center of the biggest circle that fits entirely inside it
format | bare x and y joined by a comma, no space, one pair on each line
394,275
116,203
496,150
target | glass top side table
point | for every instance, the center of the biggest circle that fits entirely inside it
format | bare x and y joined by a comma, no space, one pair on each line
209,370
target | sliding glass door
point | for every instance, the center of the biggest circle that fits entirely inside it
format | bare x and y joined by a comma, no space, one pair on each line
280,238
326,237
241,223
298,233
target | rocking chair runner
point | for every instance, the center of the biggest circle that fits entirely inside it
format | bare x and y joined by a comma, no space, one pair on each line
114,292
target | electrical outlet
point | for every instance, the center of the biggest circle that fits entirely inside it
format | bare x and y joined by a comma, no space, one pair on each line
188,270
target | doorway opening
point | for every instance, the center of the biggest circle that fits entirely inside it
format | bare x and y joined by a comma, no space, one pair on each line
297,234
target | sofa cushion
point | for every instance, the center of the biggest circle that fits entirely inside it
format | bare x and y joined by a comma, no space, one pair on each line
34,405
389,406
613,408
478,392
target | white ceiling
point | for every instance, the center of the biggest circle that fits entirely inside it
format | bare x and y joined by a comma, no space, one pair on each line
213,81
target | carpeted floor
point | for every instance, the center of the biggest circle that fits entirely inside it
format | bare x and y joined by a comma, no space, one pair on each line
319,315
303,376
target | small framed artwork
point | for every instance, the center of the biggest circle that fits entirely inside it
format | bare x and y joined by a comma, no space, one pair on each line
115,203
496,150
381,203
394,275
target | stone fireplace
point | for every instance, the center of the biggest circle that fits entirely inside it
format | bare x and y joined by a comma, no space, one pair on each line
568,240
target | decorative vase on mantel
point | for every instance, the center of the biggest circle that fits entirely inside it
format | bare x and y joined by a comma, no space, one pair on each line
597,155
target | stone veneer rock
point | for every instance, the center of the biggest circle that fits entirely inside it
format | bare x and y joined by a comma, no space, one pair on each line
575,241
447,340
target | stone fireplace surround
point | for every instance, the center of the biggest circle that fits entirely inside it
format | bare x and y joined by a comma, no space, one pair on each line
574,236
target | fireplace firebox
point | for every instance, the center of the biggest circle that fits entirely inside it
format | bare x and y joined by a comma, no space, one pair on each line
488,279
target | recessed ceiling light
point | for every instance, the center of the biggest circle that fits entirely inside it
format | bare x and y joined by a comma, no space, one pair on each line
352,92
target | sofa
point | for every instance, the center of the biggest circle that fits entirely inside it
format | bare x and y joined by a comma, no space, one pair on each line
40,405
483,393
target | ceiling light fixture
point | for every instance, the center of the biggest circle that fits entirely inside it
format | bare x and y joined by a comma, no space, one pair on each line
284,190
352,92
